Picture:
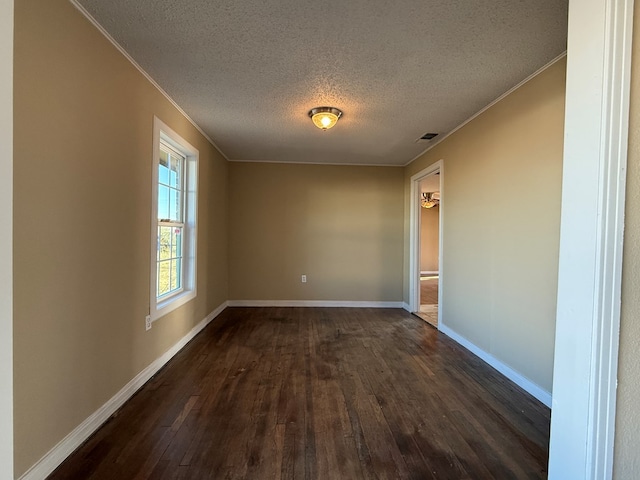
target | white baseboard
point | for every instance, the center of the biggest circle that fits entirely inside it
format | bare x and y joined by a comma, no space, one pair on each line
407,307
312,303
52,459
429,272
534,389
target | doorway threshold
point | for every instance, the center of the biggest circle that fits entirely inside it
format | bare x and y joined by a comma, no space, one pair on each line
428,313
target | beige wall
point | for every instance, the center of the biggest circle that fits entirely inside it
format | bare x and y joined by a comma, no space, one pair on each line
501,218
429,233
627,454
82,169
339,225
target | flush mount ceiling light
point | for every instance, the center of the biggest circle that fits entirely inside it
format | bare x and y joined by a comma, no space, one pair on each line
325,117
430,200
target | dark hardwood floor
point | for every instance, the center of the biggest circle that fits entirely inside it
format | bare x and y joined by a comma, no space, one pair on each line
320,393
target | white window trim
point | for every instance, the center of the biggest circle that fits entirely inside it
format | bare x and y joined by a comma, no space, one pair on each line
158,309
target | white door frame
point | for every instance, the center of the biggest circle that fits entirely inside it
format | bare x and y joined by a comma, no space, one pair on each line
414,237
6,239
592,220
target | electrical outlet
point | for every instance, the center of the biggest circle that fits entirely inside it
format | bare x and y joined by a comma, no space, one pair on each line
147,322
304,279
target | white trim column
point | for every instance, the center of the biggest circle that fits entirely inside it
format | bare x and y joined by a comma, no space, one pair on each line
6,239
593,193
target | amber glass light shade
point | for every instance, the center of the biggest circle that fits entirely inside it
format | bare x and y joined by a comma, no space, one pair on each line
325,117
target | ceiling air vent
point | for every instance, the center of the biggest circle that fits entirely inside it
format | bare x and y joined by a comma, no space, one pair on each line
428,136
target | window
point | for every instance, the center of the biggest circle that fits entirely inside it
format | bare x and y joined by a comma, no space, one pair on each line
173,262
169,279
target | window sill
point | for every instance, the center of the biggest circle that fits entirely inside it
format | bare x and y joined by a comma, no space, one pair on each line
169,304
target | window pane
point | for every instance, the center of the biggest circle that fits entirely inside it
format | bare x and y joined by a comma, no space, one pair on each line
176,244
163,174
164,157
175,212
175,174
164,277
176,280
164,239
163,202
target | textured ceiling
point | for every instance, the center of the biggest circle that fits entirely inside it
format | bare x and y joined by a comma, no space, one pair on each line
248,71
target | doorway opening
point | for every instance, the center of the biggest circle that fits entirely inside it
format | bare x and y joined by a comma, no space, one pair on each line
425,284
429,243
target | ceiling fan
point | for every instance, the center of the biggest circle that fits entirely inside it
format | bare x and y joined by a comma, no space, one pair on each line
430,199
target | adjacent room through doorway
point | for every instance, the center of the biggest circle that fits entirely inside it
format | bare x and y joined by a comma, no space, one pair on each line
429,218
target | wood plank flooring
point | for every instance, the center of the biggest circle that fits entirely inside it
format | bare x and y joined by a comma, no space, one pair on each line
429,300
320,393
429,291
